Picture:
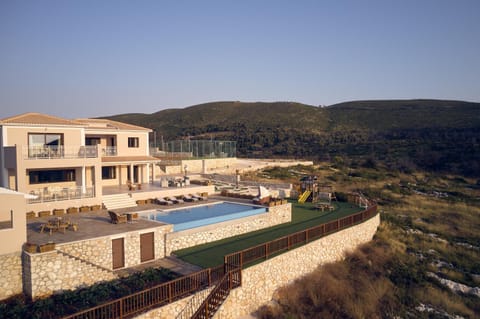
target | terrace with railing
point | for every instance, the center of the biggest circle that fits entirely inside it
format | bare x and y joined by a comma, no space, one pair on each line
54,152
224,277
109,151
53,194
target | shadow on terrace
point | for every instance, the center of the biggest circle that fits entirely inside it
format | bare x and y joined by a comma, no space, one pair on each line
91,225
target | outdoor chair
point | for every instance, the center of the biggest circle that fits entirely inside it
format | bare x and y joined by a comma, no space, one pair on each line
131,186
55,224
117,218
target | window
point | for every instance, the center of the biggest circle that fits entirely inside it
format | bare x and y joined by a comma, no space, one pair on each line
39,143
6,219
51,176
133,142
109,172
92,141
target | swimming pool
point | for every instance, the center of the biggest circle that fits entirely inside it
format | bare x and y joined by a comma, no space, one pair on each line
196,216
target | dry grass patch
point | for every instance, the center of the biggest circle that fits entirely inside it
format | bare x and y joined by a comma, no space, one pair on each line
354,288
445,301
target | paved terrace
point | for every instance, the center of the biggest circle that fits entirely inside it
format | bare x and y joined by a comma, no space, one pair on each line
96,224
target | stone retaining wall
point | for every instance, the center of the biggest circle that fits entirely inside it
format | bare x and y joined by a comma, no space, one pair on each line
170,311
50,272
259,282
192,237
83,263
98,251
10,275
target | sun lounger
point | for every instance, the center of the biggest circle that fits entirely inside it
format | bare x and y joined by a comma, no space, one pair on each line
189,198
163,201
199,197
175,200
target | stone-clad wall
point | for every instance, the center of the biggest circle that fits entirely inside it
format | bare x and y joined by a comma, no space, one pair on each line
167,312
99,250
201,235
259,282
132,249
10,275
49,272
82,263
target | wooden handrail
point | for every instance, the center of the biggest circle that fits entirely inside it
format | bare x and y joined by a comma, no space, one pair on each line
215,299
228,275
263,251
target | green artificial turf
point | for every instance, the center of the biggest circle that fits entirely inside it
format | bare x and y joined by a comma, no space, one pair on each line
303,216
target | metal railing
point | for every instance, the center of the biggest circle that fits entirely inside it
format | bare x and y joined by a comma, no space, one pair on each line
157,296
195,148
194,304
53,194
264,251
231,280
109,151
54,152
226,277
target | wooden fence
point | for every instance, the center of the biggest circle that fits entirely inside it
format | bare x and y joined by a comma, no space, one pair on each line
226,277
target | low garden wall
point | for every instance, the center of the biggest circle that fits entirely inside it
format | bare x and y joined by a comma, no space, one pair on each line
10,274
196,236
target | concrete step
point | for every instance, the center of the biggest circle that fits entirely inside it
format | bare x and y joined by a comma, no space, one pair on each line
118,201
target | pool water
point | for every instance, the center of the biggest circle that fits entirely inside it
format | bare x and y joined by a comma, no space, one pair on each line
196,216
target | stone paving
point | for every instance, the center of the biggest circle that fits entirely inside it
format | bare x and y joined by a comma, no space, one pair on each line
93,224
171,262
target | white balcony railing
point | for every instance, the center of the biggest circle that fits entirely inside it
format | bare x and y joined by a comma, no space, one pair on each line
51,152
53,194
109,151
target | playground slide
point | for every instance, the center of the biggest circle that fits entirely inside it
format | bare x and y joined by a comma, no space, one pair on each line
304,196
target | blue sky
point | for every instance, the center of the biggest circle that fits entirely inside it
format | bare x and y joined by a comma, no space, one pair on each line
93,58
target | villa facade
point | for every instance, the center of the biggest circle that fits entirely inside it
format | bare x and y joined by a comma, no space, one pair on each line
69,162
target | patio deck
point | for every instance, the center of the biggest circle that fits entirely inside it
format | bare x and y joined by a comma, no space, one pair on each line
94,225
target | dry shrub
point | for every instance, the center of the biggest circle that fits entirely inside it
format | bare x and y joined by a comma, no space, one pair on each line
353,288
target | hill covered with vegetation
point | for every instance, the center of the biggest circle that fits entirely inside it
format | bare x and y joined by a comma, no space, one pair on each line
436,135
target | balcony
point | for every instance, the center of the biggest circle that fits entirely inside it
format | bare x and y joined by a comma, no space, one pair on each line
53,194
55,152
109,151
